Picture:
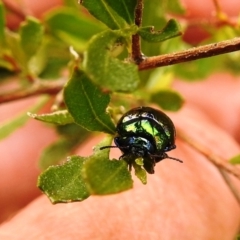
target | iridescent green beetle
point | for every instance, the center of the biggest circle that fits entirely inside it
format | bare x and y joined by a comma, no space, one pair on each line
146,133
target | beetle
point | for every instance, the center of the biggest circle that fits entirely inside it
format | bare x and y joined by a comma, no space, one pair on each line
147,133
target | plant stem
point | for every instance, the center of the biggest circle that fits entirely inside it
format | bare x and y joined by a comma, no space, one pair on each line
14,8
137,56
230,184
222,165
53,87
195,53
222,16
38,87
216,160
12,62
217,6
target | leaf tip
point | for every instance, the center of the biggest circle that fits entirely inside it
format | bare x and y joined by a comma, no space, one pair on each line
32,115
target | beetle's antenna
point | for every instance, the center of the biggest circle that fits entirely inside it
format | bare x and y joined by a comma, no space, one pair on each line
101,148
176,159
166,156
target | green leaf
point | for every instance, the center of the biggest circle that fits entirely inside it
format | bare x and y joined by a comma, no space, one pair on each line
168,100
61,117
64,183
105,70
124,8
31,34
9,126
69,26
38,61
87,104
140,173
13,41
101,10
78,177
235,159
106,176
172,29
57,59
2,27
31,62
154,14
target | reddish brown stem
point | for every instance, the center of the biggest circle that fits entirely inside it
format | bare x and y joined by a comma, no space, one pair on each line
137,56
195,53
43,87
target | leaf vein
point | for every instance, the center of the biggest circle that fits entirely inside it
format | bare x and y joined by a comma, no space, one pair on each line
109,12
111,177
128,13
92,109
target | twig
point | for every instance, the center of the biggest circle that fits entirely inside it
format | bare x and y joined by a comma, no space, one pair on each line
205,51
217,7
14,8
216,160
222,16
12,62
222,165
137,56
39,87
219,12
53,87
230,184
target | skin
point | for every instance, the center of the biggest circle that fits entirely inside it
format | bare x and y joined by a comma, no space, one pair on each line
180,201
